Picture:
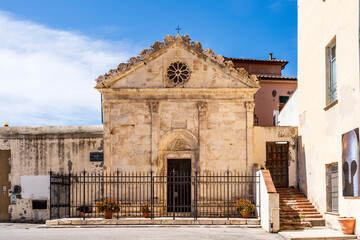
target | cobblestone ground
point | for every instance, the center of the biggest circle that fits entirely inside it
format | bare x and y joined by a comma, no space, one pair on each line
17,231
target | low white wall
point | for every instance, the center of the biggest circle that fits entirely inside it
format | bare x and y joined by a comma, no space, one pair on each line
269,206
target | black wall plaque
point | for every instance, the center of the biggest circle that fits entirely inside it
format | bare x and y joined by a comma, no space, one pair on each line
96,157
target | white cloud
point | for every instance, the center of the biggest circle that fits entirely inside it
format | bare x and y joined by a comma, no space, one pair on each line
47,75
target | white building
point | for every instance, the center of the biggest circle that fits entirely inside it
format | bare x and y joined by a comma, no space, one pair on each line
329,106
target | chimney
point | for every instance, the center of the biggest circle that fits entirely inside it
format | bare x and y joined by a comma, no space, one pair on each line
270,56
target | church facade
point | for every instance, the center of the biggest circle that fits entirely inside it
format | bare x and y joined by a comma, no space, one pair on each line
177,101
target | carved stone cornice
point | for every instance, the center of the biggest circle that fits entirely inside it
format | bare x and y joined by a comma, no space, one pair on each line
154,106
178,93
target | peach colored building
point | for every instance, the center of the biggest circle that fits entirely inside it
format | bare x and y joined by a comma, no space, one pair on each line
275,89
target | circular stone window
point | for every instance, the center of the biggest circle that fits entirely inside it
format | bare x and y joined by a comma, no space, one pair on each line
178,72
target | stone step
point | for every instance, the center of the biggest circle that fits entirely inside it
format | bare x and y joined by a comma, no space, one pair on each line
290,227
296,208
291,194
292,198
296,204
291,210
296,224
297,215
295,201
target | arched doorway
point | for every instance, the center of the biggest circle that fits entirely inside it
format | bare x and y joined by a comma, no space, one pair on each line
178,158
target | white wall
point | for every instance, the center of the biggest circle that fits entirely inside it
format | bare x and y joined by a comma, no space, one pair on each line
289,116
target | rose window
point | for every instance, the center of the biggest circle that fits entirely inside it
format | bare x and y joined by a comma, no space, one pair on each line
178,72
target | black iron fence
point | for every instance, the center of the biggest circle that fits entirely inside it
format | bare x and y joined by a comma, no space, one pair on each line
177,194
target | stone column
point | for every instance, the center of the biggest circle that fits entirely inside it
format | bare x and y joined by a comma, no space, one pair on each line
154,109
249,135
202,108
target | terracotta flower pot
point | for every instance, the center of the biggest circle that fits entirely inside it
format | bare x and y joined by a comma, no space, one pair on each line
146,214
82,214
108,215
347,224
245,214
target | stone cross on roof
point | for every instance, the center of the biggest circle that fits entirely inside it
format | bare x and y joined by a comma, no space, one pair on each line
178,29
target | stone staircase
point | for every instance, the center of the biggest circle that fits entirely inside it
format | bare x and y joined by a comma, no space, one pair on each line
296,211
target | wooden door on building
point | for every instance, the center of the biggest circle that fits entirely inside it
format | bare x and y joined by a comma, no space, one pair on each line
277,157
4,184
179,185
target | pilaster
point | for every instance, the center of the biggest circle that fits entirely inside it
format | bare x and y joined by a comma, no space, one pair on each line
202,109
249,134
154,111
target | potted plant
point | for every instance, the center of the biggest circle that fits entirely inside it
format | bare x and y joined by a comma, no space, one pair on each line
145,211
244,207
83,209
347,224
108,207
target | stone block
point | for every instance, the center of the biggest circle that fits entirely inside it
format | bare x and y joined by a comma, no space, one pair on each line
252,221
202,222
237,222
128,221
147,221
142,129
219,222
52,222
65,222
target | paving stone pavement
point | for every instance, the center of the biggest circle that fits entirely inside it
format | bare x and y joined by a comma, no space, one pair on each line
17,231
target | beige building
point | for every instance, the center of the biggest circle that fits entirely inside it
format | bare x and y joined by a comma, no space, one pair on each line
329,106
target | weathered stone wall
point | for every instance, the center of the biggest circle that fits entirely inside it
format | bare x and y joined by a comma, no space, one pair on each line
37,150
137,134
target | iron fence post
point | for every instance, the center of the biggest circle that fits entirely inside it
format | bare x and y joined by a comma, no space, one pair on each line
117,191
50,192
195,192
228,194
173,192
69,196
152,208
84,195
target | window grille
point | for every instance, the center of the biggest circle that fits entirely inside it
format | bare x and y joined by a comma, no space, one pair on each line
332,188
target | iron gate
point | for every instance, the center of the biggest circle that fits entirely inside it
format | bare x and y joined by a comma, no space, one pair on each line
176,194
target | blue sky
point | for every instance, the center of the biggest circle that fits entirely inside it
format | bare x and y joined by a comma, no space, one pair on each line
51,51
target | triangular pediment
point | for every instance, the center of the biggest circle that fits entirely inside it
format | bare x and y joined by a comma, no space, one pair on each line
177,62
